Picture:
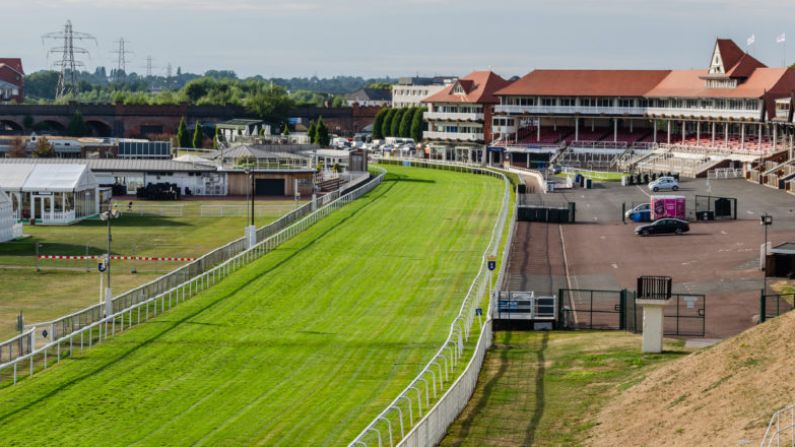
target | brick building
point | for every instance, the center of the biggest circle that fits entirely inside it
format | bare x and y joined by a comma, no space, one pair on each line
12,80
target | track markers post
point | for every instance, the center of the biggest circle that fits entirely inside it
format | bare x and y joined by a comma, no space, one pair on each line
492,265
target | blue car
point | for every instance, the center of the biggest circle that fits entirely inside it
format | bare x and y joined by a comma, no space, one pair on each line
641,213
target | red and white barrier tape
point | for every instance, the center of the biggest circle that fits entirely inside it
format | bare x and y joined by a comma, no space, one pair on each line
117,258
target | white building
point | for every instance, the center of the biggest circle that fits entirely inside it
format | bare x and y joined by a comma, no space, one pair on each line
409,92
52,194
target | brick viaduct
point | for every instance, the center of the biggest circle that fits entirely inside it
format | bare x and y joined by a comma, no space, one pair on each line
132,121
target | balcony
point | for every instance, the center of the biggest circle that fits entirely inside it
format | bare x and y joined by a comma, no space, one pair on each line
452,116
710,113
568,110
640,111
453,136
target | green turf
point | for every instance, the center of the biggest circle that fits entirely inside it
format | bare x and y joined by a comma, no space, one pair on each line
303,347
545,388
602,176
62,287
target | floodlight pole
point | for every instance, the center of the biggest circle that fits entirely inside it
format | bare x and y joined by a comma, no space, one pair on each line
108,289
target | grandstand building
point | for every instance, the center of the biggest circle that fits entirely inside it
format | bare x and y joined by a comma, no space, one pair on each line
736,109
459,117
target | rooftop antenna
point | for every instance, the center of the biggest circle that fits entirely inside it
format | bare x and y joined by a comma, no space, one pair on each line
121,65
68,65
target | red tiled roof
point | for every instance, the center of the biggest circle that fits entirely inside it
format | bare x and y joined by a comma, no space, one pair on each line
15,63
690,83
479,88
586,83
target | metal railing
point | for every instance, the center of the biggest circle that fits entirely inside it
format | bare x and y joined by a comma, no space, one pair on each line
724,173
436,408
781,429
75,321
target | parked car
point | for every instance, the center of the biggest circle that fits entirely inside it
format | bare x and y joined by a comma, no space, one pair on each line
663,226
664,183
641,213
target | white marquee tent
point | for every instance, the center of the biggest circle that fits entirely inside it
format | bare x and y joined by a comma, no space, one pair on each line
51,193
9,229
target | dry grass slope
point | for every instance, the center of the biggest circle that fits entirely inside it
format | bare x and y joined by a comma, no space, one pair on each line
720,396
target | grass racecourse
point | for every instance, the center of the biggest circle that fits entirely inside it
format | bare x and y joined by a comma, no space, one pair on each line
61,287
301,348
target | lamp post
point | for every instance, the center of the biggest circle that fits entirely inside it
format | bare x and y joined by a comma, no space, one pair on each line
766,220
107,216
251,229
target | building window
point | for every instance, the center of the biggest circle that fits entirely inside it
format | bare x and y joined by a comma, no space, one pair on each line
567,102
626,103
547,102
588,102
604,102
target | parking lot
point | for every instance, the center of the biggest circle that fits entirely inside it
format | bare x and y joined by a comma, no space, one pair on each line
719,259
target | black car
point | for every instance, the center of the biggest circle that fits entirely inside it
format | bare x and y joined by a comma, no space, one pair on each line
664,226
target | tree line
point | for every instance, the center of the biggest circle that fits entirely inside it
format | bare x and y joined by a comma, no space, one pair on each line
403,122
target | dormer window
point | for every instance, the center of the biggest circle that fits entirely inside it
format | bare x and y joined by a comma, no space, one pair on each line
458,89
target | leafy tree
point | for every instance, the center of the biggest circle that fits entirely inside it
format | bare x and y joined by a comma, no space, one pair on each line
43,149
183,139
269,103
405,122
285,129
378,124
198,136
380,85
17,149
218,136
386,126
395,123
417,125
322,137
338,101
311,131
77,126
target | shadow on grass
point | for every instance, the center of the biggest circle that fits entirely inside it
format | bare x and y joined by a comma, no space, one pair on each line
169,326
538,411
466,424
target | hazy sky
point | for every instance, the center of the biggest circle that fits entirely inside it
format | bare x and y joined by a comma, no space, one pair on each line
399,37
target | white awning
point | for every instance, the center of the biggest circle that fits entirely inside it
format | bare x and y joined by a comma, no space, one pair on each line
46,177
4,198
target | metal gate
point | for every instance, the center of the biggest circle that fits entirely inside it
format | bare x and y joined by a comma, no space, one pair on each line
773,305
685,314
593,309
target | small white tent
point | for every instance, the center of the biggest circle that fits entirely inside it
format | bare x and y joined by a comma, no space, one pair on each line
51,193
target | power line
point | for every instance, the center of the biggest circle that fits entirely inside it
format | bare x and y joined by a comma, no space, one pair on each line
121,66
68,65
149,66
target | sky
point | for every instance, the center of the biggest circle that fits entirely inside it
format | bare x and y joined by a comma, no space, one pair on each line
376,38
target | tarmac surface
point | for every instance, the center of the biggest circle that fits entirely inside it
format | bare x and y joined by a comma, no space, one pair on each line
719,259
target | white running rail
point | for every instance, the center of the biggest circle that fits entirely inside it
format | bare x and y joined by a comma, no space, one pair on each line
781,429
423,411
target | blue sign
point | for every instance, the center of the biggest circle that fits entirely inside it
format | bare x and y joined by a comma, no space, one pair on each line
478,311
492,265
101,266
